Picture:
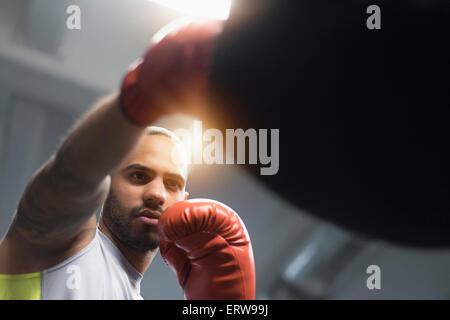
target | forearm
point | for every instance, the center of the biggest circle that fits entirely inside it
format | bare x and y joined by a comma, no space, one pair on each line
96,145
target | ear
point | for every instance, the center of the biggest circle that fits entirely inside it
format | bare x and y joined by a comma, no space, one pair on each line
186,195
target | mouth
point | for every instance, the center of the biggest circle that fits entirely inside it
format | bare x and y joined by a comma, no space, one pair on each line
152,214
149,216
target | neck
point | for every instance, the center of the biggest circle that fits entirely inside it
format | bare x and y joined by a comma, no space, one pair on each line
139,259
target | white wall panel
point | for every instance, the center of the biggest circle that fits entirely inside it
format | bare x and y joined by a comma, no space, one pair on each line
26,127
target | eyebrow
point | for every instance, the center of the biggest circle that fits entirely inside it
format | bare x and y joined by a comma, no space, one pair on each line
137,166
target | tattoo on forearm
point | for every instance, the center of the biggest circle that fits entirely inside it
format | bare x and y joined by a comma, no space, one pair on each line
46,209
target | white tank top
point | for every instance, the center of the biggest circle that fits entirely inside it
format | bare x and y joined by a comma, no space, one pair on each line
98,271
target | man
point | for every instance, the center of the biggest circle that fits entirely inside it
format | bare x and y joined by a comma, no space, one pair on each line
53,248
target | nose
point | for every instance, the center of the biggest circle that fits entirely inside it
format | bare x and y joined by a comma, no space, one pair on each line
155,193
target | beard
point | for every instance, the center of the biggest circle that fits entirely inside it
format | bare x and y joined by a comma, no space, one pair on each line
119,221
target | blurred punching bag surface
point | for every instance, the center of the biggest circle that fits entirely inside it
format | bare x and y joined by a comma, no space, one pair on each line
363,114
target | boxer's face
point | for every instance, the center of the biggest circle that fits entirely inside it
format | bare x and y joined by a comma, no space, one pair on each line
151,179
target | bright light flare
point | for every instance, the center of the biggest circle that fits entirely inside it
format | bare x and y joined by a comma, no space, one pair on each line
212,9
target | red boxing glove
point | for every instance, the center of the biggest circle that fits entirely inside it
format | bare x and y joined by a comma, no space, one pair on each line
174,70
207,245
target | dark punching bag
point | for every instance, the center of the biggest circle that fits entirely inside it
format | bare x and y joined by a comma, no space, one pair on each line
363,113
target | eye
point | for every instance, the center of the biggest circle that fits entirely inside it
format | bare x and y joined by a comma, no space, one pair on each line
173,184
138,177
